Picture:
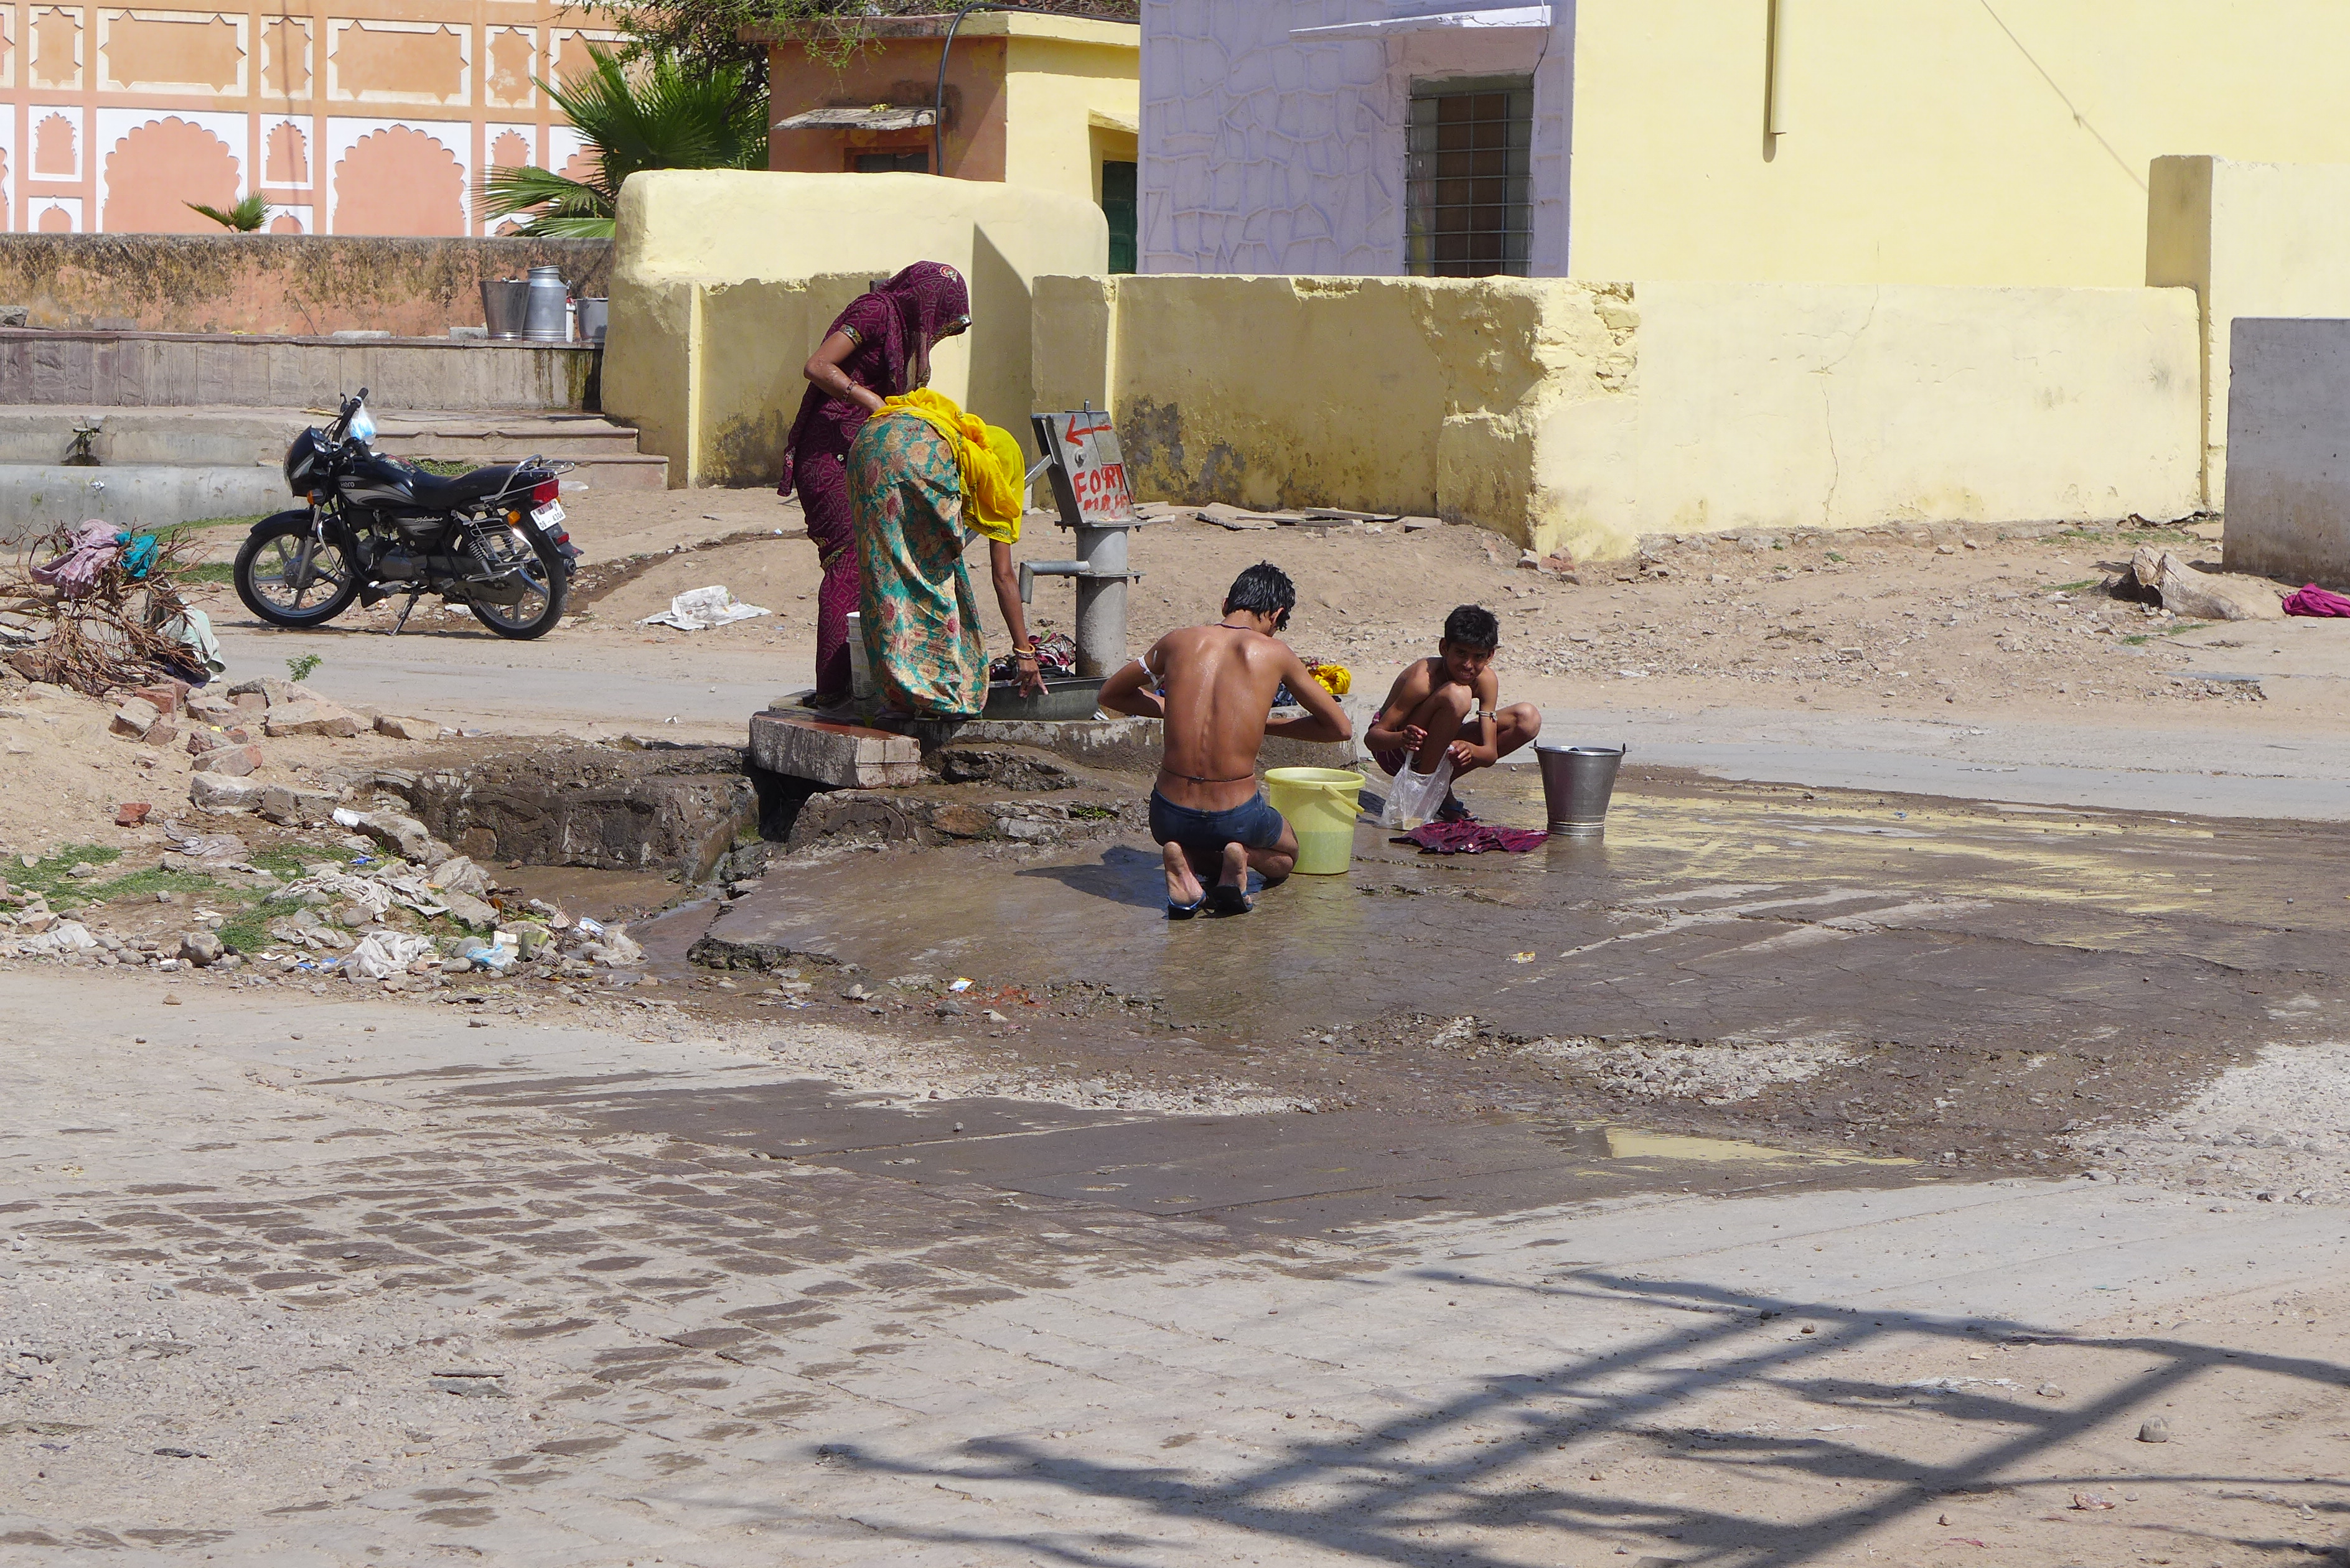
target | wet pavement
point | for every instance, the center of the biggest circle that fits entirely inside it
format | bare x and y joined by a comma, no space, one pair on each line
1955,982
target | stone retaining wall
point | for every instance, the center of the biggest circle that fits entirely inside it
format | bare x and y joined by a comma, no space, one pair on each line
290,284
153,370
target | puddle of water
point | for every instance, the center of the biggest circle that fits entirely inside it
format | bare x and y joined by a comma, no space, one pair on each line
1632,1143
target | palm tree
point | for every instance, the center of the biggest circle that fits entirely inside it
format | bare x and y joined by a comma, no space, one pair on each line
244,218
654,115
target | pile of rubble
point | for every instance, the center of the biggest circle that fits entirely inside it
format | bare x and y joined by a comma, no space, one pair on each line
224,730
29,926
408,910
346,922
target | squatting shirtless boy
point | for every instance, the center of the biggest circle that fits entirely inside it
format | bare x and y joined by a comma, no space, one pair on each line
1446,706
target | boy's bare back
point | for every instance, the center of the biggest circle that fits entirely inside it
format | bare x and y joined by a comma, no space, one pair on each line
1221,682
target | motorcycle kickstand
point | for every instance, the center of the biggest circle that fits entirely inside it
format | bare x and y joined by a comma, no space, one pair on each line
405,611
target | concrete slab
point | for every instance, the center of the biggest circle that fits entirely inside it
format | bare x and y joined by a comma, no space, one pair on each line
845,756
2288,484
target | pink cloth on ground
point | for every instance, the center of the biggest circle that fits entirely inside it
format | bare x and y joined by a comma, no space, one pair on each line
2314,600
73,573
1471,838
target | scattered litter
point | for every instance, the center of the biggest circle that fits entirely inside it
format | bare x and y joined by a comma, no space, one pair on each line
701,609
1949,1384
1232,517
958,984
2089,1500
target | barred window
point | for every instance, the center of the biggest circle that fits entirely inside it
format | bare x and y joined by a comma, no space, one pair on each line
1465,184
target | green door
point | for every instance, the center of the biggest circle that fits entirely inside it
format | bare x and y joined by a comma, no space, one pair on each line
1118,207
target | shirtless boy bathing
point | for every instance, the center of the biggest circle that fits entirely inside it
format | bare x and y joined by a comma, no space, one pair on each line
1429,711
1219,683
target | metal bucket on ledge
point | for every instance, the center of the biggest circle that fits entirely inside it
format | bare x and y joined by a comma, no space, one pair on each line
1578,784
502,300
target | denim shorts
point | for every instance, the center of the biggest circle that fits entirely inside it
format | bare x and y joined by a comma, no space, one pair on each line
1253,823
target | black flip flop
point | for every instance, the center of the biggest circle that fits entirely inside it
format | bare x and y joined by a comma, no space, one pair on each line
1176,911
1226,899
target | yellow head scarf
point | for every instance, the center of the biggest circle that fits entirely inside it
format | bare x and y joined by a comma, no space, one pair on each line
992,466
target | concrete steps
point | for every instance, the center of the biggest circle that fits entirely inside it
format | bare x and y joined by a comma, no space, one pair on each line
223,437
605,453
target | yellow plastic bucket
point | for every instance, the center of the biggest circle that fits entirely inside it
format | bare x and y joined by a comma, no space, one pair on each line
1320,805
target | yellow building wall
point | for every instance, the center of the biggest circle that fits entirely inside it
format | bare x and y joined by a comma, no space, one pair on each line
1054,87
723,282
1568,414
2250,239
1923,141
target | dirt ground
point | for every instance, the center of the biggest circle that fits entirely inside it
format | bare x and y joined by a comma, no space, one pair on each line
1981,620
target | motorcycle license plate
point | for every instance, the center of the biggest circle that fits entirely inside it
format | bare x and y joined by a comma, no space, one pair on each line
549,515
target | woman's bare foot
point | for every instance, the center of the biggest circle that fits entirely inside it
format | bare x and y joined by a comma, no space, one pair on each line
1229,895
1183,890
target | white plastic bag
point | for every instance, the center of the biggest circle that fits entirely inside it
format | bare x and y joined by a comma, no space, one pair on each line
699,609
385,954
1414,797
616,949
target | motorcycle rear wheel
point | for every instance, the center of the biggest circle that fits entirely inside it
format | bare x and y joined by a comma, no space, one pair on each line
545,583
276,581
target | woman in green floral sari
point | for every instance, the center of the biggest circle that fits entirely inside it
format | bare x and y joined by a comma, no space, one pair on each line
920,619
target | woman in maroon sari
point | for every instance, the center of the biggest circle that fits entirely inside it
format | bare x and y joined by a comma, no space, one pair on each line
878,348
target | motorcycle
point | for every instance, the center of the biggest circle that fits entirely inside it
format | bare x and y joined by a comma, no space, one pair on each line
492,540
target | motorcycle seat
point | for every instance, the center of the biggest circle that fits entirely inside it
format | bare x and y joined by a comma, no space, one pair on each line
439,493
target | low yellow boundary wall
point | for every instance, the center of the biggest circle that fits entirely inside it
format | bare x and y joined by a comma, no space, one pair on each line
1576,415
723,282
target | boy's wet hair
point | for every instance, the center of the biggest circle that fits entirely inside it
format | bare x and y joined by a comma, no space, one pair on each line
1263,589
1473,626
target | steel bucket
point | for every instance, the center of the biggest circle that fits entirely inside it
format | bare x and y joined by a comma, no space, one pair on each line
501,305
546,318
1577,781
593,315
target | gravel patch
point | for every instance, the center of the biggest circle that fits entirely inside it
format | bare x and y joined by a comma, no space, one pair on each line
1714,1072
2275,1131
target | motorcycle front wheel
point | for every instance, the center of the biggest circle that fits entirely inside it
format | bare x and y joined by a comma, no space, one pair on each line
290,579
544,584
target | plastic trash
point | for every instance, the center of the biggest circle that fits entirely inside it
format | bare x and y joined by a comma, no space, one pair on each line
495,957
385,954
700,609
1415,797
